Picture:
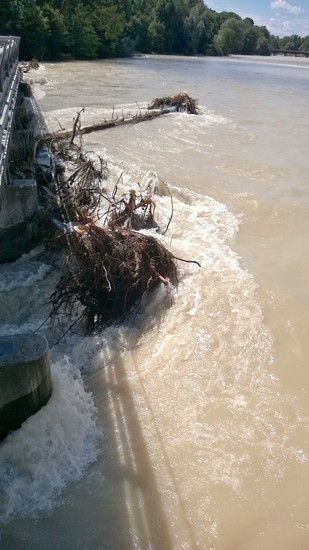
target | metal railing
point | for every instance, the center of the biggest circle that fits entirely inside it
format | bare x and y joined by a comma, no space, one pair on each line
10,76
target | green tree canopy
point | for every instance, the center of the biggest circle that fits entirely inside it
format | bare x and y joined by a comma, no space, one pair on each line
83,39
230,38
57,36
90,29
33,28
263,46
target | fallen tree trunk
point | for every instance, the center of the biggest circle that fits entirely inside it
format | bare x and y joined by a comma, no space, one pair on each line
67,134
181,102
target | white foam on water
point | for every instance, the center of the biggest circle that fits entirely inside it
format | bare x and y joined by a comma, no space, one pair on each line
8,329
93,115
51,449
96,352
37,79
206,379
25,276
217,382
208,117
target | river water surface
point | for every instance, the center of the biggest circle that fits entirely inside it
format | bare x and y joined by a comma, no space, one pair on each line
186,426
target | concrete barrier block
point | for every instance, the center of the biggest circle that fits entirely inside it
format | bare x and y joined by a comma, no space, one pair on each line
19,202
15,240
25,379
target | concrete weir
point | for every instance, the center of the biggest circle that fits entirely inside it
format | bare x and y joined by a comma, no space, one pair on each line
25,379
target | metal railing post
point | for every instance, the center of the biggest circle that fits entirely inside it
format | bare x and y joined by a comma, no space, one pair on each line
9,85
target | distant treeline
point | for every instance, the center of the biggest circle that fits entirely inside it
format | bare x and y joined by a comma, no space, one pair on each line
92,29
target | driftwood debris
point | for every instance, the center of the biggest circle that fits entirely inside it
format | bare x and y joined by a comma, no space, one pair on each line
26,66
110,265
181,102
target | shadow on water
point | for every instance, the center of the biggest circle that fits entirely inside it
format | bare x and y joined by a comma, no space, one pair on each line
128,466
140,518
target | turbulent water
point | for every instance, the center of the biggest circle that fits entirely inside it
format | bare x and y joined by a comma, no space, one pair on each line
186,426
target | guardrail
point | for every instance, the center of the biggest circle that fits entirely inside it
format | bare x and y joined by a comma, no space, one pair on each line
10,76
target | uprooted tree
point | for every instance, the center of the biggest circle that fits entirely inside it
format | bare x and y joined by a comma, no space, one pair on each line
107,272
109,264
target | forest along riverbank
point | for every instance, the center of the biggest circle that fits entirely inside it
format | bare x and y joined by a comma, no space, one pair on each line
186,426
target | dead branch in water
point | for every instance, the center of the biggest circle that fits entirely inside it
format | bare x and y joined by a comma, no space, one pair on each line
76,124
132,212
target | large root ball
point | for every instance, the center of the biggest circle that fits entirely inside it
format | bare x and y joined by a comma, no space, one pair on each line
107,272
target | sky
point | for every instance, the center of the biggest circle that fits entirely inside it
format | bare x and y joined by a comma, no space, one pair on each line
281,17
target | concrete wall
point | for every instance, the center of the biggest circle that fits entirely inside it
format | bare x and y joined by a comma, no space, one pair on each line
18,197
25,379
19,202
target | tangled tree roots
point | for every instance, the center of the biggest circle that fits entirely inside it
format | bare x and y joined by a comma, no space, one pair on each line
107,272
181,102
